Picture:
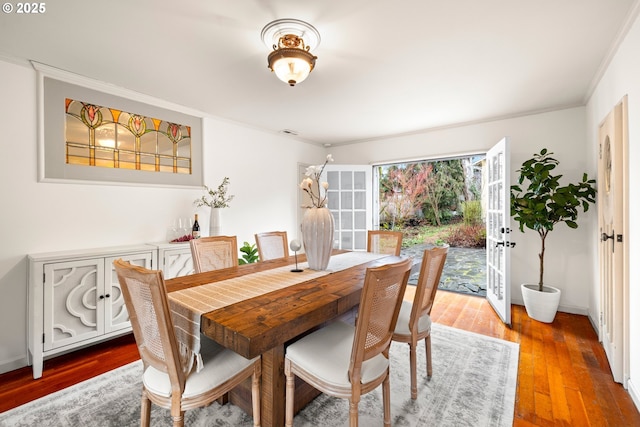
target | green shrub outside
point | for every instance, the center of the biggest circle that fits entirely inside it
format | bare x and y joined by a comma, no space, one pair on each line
472,212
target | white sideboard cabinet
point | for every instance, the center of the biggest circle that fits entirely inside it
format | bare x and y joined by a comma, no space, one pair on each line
75,298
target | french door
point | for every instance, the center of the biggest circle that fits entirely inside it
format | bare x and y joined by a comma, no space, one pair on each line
498,215
353,200
350,198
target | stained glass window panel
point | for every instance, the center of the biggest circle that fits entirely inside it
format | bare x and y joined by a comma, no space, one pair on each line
107,137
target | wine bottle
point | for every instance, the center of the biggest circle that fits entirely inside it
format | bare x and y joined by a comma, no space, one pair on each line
195,231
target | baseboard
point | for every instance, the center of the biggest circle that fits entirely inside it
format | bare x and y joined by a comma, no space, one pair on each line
573,310
594,325
563,308
634,392
12,365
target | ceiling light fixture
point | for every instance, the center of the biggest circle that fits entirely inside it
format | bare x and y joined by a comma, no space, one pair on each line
291,40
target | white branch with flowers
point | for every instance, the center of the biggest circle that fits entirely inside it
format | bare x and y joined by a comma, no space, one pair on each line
216,198
312,185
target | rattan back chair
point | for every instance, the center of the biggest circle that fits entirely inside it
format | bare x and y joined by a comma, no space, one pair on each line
414,321
272,245
348,361
169,377
214,253
384,242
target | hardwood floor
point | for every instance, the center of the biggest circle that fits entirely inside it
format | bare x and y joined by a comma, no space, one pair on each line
563,374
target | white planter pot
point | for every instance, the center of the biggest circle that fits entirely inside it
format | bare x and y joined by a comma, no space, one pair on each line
541,306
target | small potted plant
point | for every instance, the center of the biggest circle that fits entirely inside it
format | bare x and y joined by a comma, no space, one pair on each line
542,205
216,199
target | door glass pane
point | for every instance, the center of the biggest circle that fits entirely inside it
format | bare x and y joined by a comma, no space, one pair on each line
346,199
360,219
346,180
332,178
360,240
346,220
359,180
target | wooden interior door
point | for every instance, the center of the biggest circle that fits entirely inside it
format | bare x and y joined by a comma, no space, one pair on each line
612,222
498,213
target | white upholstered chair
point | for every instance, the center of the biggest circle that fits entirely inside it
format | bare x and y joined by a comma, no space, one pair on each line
346,361
213,253
168,380
272,245
414,321
384,242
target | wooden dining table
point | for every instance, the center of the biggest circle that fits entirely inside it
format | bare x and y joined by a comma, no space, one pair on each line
265,324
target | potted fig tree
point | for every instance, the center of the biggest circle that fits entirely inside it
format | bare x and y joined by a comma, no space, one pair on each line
539,203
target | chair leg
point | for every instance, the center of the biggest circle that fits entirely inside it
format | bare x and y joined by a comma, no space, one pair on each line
289,394
255,395
427,344
414,370
145,410
177,414
178,420
386,399
353,411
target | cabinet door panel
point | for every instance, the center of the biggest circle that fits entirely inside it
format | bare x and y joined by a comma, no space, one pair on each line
72,312
115,314
177,263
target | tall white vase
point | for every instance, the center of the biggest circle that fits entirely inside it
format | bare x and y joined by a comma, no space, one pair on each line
317,237
215,222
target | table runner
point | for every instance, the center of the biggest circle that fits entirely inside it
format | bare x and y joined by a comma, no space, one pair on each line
189,304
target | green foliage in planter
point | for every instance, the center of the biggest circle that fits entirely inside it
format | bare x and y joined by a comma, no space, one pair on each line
544,202
249,254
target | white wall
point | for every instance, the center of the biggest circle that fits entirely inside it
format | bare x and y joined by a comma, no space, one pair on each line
41,217
562,132
620,79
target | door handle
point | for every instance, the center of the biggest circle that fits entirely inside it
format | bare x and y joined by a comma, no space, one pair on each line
604,237
505,244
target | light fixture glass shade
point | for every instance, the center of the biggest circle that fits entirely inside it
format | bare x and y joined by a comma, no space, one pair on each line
291,66
291,40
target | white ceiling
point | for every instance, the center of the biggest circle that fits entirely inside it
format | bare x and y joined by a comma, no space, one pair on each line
384,67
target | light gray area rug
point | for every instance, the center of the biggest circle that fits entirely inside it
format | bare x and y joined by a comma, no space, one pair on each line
473,384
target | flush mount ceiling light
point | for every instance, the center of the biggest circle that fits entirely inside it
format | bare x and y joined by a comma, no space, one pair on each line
291,40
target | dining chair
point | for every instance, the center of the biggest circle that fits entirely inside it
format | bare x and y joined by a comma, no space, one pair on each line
348,361
384,242
214,253
272,245
414,321
168,379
